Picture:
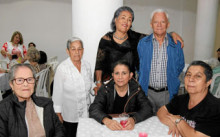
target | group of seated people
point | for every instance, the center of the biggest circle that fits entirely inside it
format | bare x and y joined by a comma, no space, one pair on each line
190,115
193,114
121,65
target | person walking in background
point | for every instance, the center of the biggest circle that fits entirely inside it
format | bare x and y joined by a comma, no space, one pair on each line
161,62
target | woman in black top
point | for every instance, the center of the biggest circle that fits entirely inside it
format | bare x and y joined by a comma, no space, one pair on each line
196,114
122,94
121,43
23,114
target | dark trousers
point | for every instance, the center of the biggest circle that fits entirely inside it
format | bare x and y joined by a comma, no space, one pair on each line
70,129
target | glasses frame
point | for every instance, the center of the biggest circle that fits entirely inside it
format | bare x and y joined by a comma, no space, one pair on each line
24,79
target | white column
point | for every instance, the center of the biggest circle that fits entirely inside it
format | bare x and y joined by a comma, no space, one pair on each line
205,29
91,19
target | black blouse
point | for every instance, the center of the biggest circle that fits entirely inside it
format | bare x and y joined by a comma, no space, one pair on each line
110,52
119,103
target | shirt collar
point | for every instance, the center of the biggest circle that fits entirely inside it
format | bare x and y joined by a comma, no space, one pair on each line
165,39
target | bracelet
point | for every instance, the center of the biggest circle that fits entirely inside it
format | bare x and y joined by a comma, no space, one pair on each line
178,120
96,82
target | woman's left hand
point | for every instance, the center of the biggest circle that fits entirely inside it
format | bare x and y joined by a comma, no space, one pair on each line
130,124
176,37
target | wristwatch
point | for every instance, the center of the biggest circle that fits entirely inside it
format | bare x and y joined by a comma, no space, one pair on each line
178,120
96,82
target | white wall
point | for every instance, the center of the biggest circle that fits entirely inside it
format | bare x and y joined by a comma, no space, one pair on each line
45,22
48,23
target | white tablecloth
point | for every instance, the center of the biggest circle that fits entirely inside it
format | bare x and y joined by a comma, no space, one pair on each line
4,84
88,127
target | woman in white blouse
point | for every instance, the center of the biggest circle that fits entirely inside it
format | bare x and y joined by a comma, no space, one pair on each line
72,84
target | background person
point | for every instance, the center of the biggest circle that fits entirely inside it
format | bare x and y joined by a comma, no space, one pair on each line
43,60
14,47
33,56
121,43
72,85
195,114
31,44
161,62
122,94
23,114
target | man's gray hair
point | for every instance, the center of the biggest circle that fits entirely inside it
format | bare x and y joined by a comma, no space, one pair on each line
159,11
73,39
15,67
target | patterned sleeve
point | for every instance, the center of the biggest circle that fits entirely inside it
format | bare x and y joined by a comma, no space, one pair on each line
5,47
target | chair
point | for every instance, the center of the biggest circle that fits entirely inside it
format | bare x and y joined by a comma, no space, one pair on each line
52,59
53,65
42,83
215,85
181,78
53,62
217,93
3,64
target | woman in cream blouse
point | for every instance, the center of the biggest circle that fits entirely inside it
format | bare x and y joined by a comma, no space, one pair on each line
72,84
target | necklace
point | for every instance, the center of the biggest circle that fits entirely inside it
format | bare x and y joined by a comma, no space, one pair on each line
123,38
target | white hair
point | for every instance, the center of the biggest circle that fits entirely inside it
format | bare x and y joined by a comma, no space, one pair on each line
159,11
73,39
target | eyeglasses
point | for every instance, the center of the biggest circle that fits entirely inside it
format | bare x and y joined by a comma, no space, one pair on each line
20,81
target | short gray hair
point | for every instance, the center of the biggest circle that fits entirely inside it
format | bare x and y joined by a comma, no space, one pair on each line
73,39
118,12
159,11
15,67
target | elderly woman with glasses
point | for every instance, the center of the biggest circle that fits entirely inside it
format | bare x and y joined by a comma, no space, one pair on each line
22,114
196,114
